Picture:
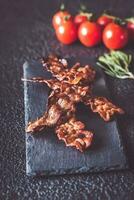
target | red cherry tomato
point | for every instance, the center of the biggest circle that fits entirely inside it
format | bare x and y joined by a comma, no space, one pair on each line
130,28
115,36
104,20
89,33
67,32
80,18
59,17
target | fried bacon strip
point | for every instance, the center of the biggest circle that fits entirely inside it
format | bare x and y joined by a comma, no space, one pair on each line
74,92
74,134
80,75
56,66
104,107
50,118
54,84
60,109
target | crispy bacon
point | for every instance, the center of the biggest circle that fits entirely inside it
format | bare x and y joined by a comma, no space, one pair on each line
104,107
74,92
74,134
68,87
56,66
80,75
60,108
49,119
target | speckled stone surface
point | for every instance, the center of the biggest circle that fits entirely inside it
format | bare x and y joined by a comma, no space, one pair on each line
24,27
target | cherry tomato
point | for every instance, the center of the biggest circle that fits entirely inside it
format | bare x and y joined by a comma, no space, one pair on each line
59,17
103,20
130,28
89,33
115,36
67,32
80,18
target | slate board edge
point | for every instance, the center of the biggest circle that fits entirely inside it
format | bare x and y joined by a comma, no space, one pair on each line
122,145
78,171
26,116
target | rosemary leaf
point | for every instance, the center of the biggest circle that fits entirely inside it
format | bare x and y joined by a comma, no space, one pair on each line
116,64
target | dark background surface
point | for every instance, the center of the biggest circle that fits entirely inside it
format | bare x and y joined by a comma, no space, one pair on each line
24,28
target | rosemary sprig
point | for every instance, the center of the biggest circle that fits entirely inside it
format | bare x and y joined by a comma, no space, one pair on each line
116,64
131,19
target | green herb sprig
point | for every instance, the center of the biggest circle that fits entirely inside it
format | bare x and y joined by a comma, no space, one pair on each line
131,19
116,64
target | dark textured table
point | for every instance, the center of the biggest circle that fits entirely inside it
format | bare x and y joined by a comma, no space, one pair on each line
24,28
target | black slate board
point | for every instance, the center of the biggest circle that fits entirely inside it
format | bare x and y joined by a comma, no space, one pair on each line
46,155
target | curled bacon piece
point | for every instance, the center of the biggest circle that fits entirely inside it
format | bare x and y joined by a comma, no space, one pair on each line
80,75
74,92
50,118
60,109
56,66
104,107
73,134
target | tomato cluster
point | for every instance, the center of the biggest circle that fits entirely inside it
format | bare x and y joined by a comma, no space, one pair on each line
105,29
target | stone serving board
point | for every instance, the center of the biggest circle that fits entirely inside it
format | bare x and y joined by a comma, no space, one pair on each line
46,155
